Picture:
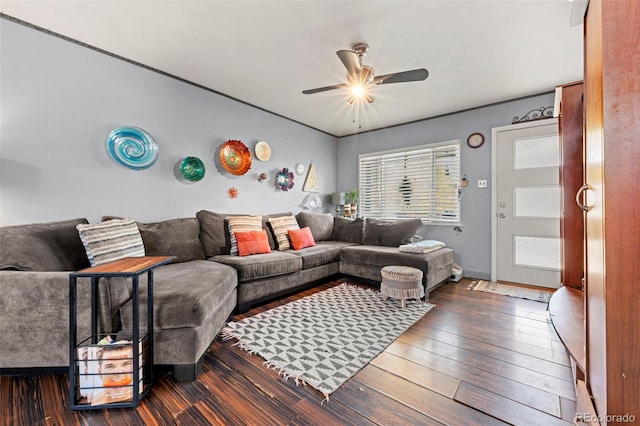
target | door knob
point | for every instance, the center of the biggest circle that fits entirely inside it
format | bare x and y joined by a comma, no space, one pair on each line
502,204
502,216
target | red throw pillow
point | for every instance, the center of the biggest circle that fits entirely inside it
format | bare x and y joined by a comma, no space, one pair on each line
301,238
252,242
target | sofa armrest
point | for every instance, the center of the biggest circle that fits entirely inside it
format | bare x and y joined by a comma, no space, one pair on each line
34,318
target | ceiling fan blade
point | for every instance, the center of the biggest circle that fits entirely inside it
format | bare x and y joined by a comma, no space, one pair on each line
350,60
402,77
323,89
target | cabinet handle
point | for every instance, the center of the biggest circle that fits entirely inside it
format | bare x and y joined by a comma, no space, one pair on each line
580,191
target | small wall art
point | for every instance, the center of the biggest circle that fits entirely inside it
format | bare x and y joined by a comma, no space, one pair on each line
192,169
235,157
132,147
311,182
284,179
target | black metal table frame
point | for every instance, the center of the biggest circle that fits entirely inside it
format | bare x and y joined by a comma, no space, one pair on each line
135,326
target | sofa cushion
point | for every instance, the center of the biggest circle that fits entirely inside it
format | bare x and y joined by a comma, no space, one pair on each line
301,238
261,265
184,294
252,242
111,240
52,246
322,253
381,256
280,227
321,224
241,224
214,233
348,230
174,237
389,233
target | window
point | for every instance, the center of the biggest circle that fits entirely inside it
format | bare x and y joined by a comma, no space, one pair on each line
419,182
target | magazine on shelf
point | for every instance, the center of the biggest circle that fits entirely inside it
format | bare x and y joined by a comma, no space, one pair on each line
105,371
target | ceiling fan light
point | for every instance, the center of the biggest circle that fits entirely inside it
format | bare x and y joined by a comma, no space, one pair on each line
358,90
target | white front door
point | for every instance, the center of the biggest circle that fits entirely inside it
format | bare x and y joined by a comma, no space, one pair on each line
526,198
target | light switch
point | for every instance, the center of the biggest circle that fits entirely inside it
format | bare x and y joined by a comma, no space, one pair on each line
482,183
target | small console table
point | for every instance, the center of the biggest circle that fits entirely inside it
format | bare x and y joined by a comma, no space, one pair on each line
137,387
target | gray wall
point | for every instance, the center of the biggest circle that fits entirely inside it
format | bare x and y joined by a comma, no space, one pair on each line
59,101
473,245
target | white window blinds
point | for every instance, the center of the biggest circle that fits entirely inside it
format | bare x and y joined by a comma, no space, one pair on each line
419,182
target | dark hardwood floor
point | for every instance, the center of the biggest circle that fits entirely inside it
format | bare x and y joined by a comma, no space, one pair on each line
476,358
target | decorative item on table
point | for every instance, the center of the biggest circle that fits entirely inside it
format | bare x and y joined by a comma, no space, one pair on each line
300,168
313,201
284,179
132,147
192,169
235,157
337,199
262,151
351,202
311,181
232,192
262,177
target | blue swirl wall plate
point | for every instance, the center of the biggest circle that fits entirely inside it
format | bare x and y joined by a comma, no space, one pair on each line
132,147
192,169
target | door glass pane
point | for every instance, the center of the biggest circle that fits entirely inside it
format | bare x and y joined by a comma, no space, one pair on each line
537,202
538,252
541,151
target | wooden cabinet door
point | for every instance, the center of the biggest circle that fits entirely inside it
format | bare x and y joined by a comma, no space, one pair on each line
571,123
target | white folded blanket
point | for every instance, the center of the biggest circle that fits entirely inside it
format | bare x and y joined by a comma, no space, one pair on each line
424,246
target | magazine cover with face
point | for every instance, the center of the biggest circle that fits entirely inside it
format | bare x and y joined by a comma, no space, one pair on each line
105,372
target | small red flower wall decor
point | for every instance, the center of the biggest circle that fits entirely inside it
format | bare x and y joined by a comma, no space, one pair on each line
232,192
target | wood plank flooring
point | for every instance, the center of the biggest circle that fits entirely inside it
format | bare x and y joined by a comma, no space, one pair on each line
476,358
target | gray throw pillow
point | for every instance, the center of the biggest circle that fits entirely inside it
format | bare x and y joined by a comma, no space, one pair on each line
390,233
51,246
348,230
214,234
174,237
321,224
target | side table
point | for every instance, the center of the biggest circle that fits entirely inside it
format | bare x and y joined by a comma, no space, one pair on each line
97,344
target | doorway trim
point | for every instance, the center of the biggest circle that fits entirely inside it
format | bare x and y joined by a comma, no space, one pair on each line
494,178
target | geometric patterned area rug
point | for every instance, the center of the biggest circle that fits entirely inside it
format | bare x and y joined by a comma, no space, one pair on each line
537,294
324,339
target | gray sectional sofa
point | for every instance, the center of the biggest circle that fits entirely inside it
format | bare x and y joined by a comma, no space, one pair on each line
195,295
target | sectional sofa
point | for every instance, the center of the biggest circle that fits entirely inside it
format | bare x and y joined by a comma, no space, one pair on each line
195,295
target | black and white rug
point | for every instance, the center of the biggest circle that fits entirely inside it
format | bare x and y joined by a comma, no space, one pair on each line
326,338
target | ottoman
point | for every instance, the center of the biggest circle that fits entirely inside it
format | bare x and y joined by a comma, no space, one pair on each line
401,282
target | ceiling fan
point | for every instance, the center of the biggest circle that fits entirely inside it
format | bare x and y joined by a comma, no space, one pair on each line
361,77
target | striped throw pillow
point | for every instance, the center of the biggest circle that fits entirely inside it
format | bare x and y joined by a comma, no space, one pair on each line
241,224
111,240
280,227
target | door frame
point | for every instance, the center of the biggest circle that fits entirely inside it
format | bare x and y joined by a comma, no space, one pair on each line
494,179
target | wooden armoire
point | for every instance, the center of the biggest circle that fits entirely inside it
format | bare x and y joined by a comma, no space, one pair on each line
612,171
603,330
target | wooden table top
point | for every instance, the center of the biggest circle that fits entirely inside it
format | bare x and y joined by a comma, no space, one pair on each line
126,266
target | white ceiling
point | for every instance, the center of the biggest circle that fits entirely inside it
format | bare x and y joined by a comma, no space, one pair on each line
266,52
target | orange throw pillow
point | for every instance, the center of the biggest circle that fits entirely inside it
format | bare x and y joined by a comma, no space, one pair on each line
301,238
252,242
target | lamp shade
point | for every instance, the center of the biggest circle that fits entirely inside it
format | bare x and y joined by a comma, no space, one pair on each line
337,198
